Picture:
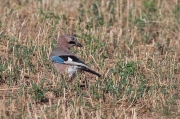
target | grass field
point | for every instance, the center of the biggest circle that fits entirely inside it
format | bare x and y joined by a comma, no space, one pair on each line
134,44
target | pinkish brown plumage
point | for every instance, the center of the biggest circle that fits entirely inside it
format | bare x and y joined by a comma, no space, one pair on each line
65,61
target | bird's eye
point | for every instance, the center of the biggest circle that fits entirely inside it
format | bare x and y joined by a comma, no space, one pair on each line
71,42
72,38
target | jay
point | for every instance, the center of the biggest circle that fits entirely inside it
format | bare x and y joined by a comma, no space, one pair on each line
65,61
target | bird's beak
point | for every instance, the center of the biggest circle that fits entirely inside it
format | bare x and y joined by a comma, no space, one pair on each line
78,44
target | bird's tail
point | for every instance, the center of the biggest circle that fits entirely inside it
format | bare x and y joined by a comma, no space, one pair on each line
90,71
82,67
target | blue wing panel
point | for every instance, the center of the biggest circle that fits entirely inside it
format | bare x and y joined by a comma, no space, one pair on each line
57,59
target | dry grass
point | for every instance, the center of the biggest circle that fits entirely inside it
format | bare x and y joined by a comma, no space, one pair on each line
134,44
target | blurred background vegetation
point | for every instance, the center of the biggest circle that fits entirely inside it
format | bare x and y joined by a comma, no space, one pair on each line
134,44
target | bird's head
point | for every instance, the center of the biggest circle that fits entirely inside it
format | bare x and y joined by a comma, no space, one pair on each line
68,41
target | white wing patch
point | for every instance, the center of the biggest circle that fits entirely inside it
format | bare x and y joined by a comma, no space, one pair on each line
69,59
